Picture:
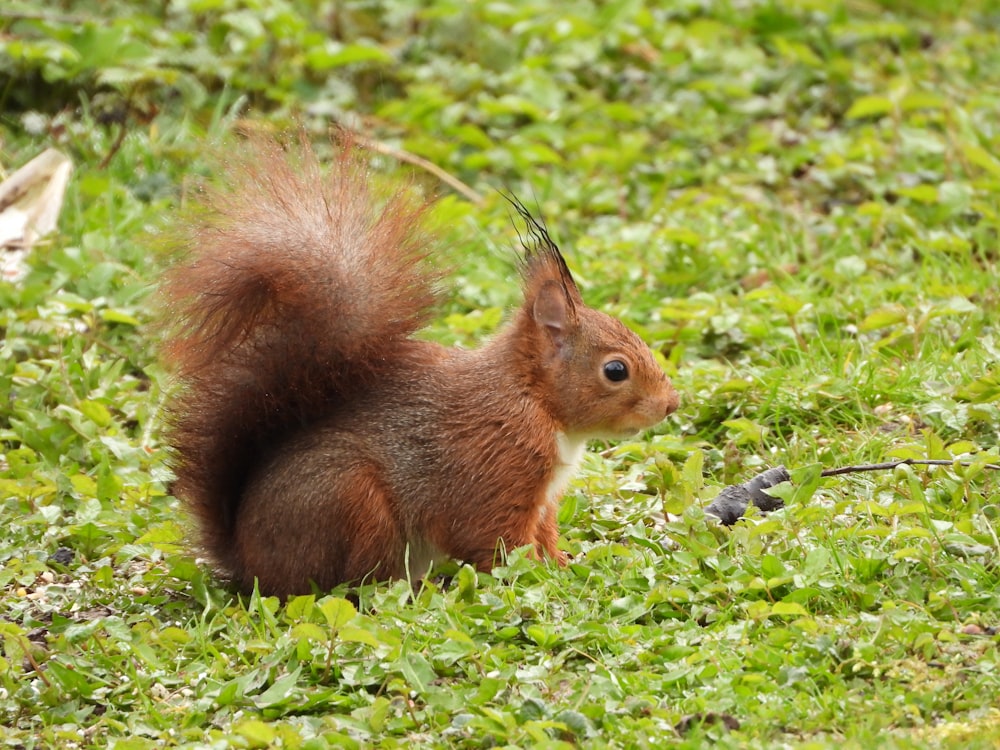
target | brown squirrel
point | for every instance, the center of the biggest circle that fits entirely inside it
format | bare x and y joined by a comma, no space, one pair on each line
317,442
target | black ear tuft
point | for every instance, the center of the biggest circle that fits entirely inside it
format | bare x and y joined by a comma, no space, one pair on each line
541,254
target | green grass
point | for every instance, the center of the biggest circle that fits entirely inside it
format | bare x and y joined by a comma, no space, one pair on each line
796,203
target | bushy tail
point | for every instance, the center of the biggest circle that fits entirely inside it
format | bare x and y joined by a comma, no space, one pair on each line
298,289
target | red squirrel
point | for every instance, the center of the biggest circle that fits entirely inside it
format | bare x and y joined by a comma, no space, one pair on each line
317,442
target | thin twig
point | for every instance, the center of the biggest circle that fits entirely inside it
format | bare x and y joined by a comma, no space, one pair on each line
35,666
893,464
405,156
115,147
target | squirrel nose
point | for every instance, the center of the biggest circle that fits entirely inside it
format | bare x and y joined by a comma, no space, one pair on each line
672,402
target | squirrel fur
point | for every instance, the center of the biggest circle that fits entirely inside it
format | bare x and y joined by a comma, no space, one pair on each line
317,442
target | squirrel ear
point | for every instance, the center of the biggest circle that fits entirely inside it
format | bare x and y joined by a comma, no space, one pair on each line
553,310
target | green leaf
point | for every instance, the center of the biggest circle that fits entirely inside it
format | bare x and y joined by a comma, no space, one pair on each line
788,609
926,194
311,631
166,535
982,390
915,100
300,607
802,595
95,412
744,431
357,635
981,158
869,106
806,480
692,473
417,671
467,581
119,316
281,691
543,635
681,234
72,681
454,647
771,567
256,732
816,562
337,612
334,55
888,315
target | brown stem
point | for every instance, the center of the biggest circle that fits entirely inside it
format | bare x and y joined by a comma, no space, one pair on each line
893,464
405,156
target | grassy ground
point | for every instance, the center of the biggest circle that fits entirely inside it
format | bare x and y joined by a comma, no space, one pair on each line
797,203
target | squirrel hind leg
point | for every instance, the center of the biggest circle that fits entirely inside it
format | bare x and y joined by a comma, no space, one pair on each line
345,532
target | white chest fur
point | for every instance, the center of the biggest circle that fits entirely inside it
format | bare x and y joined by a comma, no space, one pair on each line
571,450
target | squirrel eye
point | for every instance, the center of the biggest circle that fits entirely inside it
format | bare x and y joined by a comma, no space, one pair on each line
616,371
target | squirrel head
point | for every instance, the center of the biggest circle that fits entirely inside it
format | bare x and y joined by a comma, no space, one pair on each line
599,378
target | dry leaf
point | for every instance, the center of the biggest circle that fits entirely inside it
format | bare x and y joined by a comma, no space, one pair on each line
30,201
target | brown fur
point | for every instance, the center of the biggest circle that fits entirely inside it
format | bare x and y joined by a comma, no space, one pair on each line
316,442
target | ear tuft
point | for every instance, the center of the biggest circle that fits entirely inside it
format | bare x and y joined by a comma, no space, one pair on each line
541,261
